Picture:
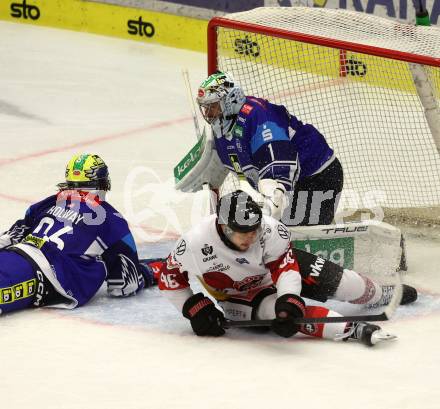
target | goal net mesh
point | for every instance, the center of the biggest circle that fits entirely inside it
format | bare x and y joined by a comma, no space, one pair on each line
365,104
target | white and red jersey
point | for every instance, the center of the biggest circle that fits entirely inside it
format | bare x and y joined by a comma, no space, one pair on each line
224,272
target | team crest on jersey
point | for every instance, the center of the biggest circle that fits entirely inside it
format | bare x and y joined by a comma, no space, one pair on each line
221,281
207,250
248,282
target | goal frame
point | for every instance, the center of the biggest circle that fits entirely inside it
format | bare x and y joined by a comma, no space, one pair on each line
306,38
416,63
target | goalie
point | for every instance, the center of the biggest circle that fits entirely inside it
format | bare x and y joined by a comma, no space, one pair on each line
288,162
68,244
245,261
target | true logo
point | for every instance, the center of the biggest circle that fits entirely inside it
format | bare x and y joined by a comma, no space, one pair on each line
24,10
352,229
140,28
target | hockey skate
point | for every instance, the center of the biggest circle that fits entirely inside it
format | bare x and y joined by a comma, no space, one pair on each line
368,334
409,294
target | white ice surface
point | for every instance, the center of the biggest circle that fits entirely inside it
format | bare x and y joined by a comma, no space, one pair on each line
63,92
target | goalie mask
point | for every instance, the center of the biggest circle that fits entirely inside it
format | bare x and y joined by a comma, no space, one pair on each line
220,100
86,172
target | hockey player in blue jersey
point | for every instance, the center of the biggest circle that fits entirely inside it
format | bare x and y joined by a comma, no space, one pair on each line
288,162
68,244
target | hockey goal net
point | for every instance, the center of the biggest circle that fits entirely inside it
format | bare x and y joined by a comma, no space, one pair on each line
370,85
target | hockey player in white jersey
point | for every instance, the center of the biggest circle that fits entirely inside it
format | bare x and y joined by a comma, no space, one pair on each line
246,262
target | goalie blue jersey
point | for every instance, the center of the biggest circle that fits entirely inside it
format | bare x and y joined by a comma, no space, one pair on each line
77,242
266,141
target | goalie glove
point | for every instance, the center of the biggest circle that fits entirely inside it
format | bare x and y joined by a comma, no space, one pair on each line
274,194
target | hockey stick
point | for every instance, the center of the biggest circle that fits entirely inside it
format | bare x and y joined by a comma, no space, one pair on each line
383,316
191,101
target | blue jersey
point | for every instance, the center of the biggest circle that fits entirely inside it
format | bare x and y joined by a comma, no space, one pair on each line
266,141
77,242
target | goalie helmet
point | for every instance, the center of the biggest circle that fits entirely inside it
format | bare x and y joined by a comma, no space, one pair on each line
239,212
220,99
86,172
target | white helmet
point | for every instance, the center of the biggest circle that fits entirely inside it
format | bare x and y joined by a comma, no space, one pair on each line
220,88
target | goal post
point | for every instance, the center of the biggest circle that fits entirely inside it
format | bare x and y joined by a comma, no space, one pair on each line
370,85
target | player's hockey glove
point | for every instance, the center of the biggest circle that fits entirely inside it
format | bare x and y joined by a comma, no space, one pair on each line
205,318
288,307
150,269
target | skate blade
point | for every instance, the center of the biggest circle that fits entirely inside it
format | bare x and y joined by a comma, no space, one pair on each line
378,336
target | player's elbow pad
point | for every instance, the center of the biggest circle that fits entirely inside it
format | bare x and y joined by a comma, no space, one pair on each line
125,279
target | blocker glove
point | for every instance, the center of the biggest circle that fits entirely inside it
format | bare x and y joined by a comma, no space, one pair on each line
205,318
288,307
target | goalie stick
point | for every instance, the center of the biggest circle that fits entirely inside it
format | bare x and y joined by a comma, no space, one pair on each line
185,75
385,315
